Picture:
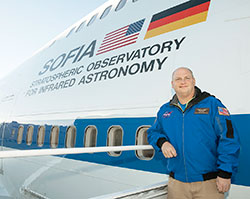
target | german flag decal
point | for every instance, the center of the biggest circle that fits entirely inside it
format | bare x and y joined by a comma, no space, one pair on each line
180,16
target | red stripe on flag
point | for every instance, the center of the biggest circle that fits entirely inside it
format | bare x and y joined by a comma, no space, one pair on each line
117,41
115,35
124,41
180,15
115,31
112,38
115,48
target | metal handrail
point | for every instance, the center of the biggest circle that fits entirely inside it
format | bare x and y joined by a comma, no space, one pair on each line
65,151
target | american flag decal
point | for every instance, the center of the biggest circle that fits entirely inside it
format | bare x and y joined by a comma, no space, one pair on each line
223,111
121,37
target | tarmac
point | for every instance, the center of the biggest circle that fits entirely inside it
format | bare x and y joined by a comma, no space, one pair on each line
3,193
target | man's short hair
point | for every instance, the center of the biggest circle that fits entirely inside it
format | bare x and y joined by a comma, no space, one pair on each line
182,68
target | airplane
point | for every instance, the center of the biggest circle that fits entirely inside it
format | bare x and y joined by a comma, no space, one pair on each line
74,116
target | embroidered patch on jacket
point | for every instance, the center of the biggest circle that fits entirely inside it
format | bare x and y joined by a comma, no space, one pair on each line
223,111
167,114
201,111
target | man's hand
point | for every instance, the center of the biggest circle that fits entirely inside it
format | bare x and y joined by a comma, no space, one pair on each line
223,185
168,150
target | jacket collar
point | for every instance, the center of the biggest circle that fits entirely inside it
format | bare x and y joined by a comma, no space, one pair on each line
198,96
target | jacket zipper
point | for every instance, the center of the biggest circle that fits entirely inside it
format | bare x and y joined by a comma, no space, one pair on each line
183,142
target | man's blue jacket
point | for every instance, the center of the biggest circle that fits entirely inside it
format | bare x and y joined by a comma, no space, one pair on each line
203,137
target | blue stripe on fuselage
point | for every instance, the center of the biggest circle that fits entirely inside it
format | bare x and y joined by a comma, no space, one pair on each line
126,159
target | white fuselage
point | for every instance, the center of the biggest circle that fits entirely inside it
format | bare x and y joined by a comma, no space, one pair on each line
111,77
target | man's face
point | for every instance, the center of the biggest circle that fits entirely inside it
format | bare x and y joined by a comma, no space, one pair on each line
183,82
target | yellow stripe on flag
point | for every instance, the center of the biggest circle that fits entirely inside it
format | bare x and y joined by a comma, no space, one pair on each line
177,25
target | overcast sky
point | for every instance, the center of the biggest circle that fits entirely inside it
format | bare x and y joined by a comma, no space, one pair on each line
27,25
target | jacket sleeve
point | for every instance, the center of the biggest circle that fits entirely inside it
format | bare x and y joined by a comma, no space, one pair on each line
156,135
228,141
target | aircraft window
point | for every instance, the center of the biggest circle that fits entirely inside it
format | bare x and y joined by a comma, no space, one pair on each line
54,136
70,32
80,26
105,12
13,132
20,134
134,1
115,134
141,139
40,136
121,5
70,139
92,20
29,135
90,136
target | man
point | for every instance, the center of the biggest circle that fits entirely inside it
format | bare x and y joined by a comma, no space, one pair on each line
194,131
